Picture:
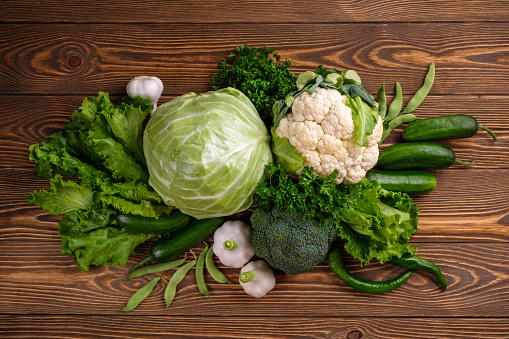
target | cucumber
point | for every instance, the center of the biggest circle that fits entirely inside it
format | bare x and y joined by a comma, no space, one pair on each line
455,126
419,155
413,183
164,224
172,245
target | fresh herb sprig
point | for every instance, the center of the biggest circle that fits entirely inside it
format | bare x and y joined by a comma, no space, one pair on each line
259,73
311,196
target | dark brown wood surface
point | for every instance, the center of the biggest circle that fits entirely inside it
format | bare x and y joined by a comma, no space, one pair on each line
54,54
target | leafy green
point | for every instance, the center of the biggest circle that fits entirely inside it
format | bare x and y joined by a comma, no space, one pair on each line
100,153
374,223
257,72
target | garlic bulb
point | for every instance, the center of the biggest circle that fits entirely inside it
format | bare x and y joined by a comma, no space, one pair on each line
146,87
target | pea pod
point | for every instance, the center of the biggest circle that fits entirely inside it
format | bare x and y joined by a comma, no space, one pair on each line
381,98
444,127
214,272
422,92
366,286
200,279
176,278
415,262
140,295
420,155
396,104
156,268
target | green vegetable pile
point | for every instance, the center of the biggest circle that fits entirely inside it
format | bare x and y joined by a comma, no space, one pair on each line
205,157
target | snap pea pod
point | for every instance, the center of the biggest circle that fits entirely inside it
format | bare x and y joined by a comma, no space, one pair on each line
140,295
214,272
176,278
200,279
415,262
396,104
366,286
156,268
381,98
422,92
396,122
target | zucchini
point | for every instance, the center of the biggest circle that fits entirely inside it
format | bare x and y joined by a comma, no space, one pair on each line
455,126
413,183
148,225
417,155
172,245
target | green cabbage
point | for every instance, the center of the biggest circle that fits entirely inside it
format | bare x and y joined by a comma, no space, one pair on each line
206,153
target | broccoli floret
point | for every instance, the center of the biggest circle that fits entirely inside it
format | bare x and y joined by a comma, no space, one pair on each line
288,242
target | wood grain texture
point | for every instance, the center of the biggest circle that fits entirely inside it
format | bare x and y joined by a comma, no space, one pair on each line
259,327
51,57
81,59
258,11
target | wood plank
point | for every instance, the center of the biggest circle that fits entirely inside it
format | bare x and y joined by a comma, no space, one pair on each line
136,327
259,11
476,273
34,118
82,59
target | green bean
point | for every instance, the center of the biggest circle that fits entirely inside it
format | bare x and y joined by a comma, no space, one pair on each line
140,295
396,122
214,272
366,286
200,279
381,98
415,262
396,104
156,268
422,92
175,279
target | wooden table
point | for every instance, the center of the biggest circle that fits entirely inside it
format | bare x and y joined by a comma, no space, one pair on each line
55,53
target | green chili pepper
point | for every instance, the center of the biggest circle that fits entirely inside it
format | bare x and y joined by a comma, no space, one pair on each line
200,279
421,92
156,268
175,279
415,262
140,295
214,272
396,104
366,286
381,98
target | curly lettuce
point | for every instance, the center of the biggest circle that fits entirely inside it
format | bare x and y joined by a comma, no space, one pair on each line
96,168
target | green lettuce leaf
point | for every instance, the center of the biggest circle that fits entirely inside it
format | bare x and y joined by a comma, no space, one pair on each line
102,246
377,223
100,149
63,197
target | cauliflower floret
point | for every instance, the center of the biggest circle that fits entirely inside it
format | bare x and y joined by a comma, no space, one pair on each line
321,129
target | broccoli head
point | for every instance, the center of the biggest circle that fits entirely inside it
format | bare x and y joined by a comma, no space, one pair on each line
289,242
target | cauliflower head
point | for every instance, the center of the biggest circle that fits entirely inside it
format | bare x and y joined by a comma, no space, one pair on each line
321,129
